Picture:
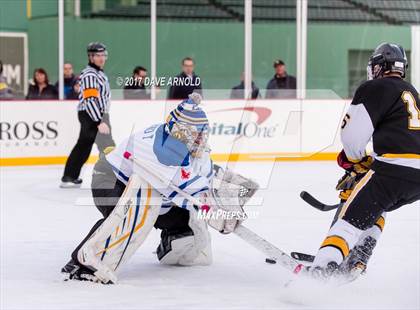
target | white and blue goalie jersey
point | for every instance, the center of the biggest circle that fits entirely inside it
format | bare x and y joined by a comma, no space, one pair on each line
167,157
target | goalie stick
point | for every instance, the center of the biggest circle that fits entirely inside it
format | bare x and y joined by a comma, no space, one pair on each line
311,200
241,231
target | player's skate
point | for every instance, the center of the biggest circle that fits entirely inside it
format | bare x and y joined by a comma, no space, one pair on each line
349,270
68,182
318,273
332,273
355,264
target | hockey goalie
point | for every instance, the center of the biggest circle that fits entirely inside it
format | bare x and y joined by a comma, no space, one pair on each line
145,182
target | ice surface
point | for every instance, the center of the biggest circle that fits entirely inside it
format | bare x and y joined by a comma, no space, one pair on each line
41,224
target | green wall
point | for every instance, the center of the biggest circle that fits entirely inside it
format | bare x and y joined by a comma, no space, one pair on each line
13,15
128,44
217,48
328,46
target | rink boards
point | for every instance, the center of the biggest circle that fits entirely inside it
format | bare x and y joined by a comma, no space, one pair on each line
44,132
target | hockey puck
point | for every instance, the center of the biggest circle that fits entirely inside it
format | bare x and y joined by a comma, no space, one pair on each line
270,261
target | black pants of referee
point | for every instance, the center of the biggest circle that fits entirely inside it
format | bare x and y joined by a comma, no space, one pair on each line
88,136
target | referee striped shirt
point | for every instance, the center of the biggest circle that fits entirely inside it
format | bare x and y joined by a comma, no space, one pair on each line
95,95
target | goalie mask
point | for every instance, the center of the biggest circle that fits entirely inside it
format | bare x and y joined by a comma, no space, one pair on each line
189,124
387,58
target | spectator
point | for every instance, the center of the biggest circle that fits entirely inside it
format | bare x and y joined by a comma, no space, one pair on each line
41,88
135,88
69,80
238,90
5,90
186,82
281,85
75,91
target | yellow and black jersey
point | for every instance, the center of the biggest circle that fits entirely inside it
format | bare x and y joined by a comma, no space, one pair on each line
386,110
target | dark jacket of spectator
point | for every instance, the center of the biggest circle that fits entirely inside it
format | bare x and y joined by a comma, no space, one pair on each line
182,91
281,87
49,92
136,92
36,92
68,86
75,90
238,91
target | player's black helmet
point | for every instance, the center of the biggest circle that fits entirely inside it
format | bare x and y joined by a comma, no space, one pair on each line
96,47
386,58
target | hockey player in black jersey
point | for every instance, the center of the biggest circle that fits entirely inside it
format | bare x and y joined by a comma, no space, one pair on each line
385,109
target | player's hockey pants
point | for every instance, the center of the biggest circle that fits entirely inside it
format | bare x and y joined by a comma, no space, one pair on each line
373,195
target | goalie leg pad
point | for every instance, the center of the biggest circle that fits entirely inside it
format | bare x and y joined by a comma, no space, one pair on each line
173,246
123,232
185,239
181,249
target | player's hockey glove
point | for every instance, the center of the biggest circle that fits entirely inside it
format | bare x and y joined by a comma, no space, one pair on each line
354,172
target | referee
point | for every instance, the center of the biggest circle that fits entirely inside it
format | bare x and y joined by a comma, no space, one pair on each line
93,108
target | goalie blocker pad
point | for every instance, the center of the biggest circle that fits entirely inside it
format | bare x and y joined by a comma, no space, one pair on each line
123,232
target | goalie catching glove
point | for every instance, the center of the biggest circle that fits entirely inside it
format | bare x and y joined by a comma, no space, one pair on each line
223,205
355,171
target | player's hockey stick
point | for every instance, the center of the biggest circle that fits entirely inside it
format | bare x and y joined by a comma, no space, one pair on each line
299,256
241,231
308,198
303,257
311,200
